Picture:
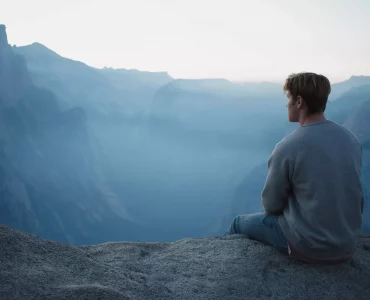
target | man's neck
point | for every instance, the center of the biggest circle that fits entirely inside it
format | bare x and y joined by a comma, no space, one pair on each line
305,120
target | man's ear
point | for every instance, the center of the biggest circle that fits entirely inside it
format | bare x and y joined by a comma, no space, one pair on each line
300,102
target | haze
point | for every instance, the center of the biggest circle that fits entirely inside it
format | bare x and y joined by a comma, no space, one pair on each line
234,39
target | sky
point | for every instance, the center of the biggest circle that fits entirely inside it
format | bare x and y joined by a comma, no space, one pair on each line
240,40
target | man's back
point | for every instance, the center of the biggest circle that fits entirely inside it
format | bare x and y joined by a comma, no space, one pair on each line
313,197
322,217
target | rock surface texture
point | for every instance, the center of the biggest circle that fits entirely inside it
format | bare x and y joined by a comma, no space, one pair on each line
230,267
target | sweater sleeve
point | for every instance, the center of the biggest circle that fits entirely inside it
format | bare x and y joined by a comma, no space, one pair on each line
277,187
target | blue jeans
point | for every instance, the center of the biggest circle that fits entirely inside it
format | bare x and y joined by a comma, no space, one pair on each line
260,227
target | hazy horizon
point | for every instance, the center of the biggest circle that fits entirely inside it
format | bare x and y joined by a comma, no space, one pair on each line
237,40
89,156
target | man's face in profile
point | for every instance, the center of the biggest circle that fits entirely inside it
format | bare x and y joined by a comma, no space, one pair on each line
293,110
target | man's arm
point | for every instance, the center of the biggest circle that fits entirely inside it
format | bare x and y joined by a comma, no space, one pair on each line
277,187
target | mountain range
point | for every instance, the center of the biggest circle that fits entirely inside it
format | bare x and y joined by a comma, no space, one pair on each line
49,163
90,155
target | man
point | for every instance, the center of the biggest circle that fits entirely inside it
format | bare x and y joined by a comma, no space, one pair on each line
313,198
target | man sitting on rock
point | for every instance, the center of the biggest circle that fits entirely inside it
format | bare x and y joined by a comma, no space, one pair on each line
313,198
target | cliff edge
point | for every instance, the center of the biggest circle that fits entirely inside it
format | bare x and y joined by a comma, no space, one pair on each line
230,267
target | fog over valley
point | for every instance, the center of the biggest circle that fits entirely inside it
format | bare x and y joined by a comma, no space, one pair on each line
90,155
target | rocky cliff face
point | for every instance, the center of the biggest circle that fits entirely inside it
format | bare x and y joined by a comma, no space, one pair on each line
13,79
100,92
206,268
3,36
49,175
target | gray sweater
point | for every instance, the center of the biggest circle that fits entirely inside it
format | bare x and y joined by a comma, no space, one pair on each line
314,185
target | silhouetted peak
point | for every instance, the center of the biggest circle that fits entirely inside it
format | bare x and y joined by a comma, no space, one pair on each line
37,45
359,78
3,36
354,77
133,71
37,49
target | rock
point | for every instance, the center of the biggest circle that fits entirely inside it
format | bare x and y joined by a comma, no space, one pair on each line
366,242
50,178
230,267
3,36
14,79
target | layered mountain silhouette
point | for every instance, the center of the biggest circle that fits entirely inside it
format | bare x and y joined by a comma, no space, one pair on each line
91,155
338,89
100,92
49,165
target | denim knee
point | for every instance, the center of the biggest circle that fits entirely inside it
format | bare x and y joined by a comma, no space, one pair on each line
234,226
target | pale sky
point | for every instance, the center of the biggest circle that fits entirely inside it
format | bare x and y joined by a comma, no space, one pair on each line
242,40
